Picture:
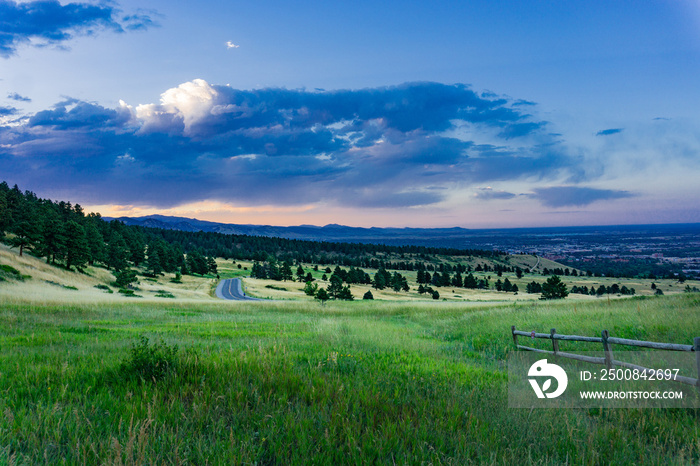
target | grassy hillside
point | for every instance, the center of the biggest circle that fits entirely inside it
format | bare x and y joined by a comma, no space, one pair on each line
296,382
46,283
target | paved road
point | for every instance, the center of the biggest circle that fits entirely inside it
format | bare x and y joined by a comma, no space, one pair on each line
232,289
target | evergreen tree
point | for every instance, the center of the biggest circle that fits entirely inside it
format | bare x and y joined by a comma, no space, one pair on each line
300,273
322,295
335,286
96,242
457,280
310,288
533,287
125,277
26,228
470,281
117,252
154,261
507,286
345,294
211,265
379,281
136,246
554,288
77,249
286,271
53,237
368,295
5,214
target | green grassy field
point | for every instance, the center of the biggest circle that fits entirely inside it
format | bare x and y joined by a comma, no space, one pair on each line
298,383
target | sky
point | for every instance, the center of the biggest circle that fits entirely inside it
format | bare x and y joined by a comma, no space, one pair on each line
476,114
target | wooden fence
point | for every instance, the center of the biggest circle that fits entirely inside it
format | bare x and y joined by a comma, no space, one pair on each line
607,341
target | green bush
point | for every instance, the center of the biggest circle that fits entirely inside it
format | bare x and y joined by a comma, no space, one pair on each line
104,288
150,362
7,271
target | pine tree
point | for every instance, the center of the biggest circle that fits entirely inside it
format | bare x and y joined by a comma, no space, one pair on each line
77,249
5,214
117,252
322,295
96,242
345,294
554,288
53,237
26,228
310,288
379,281
335,286
154,264
211,265
286,271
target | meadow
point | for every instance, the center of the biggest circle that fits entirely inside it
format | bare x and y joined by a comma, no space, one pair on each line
301,383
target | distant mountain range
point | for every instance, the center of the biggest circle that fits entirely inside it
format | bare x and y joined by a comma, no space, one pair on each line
444,237
505,239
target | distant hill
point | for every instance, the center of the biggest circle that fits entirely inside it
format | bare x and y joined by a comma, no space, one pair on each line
434,237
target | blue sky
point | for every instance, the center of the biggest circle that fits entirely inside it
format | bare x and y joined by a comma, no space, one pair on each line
473,114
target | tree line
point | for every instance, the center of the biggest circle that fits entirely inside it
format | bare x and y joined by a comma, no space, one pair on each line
63,234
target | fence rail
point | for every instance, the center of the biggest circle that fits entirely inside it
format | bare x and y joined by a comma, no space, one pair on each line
607,341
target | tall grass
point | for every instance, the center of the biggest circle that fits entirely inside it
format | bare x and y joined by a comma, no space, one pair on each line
297,383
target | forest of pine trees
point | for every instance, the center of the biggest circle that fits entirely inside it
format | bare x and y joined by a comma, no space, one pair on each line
65,236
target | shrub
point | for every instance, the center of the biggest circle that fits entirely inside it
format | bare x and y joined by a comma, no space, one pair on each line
150,362
125,277
104,288
129,293
7,271
368,295
310,288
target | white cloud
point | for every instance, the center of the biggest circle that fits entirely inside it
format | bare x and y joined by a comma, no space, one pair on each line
190,101
231,45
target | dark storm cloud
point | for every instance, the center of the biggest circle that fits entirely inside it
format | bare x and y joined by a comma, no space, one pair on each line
49,22
76,114
387,146
15,96
566,196
609,132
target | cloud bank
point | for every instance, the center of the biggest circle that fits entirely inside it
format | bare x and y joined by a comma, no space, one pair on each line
398,146
575,196
48,22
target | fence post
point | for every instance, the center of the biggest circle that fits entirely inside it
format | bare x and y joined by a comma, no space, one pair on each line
608,350
697,357
555,343
515,337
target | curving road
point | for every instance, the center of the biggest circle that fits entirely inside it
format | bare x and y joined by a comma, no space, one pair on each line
232,289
